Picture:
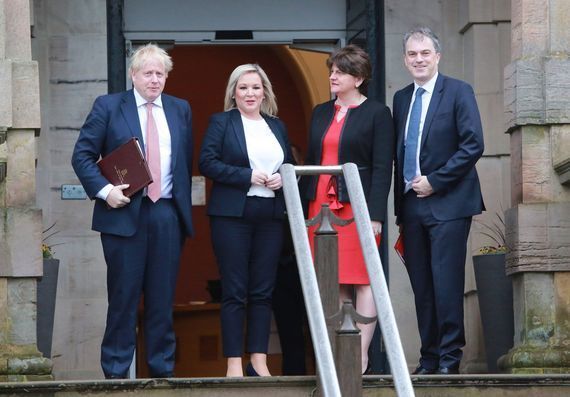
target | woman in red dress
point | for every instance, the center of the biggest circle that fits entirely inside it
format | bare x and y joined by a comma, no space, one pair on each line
357,129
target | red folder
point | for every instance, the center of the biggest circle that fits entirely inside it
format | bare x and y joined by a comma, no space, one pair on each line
126,165
399,247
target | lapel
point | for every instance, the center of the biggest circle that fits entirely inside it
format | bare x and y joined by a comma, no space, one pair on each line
131,115
405,100
433,106
170,115
235,117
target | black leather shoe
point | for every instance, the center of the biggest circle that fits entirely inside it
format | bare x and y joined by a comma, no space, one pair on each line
423,371
250,371
447,371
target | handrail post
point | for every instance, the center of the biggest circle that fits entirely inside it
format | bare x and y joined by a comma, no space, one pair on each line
378,284
321,343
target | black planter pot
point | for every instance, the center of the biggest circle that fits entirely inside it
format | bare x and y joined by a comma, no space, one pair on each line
495,293
47,291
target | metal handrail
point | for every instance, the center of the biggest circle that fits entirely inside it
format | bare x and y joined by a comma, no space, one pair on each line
315,314
378,284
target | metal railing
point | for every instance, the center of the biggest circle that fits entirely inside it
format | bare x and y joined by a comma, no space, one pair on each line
321,343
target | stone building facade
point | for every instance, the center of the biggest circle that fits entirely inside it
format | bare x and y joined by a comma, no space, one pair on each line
53,64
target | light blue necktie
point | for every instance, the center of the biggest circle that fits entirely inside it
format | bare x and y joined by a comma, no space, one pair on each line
412,138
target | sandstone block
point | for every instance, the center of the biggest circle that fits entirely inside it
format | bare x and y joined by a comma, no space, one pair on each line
557,83
535,92
559,32
538,236
25,95
6,89
20,242
20,178
542,323
22,310
530,34
560,138
18,45
524,96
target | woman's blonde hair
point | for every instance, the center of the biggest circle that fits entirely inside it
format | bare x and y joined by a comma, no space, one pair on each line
269,103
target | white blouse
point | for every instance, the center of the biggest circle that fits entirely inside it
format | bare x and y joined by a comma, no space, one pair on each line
264,151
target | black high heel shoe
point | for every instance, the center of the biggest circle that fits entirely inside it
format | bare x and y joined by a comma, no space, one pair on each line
250,371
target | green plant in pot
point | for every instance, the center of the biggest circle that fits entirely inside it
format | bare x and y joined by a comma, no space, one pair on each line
47,248
496,232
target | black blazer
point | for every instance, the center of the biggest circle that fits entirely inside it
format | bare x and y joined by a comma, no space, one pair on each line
224,159
367,139
113,121
451,144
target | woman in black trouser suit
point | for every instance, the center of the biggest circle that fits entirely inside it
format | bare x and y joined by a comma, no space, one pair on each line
242,151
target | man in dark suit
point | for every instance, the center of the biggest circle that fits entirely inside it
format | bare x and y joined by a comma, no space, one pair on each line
142,236
439,140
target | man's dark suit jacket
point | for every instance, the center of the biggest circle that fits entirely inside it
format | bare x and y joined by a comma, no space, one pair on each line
224,159
114,120
451,144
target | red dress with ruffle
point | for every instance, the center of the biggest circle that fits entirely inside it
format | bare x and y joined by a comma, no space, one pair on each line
351,266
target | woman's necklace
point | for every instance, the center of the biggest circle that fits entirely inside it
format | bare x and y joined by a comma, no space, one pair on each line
345,104
343,108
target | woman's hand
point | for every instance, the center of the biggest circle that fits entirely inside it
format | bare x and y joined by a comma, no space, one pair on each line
376,227
274,182
258,178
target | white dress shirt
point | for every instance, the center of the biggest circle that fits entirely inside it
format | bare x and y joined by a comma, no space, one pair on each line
426,98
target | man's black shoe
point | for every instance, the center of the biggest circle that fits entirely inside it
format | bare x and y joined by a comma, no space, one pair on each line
423,371
447,371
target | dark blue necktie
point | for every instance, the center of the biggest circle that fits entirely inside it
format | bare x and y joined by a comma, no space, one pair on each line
412,138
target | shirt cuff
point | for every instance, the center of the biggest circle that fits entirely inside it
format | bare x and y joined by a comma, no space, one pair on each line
103,193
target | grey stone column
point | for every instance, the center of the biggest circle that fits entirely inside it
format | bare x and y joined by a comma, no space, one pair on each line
537,109
20,220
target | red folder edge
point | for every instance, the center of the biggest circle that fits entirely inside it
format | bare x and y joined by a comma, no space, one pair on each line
399,247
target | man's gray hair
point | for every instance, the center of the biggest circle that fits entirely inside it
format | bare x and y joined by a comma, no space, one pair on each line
421,32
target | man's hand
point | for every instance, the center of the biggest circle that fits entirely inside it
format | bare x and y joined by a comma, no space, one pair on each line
116,198
274,182
376,227
258,177
422,187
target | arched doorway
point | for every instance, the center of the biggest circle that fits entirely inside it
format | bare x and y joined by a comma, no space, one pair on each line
200,75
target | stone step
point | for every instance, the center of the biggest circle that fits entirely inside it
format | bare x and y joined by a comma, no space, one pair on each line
297,386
